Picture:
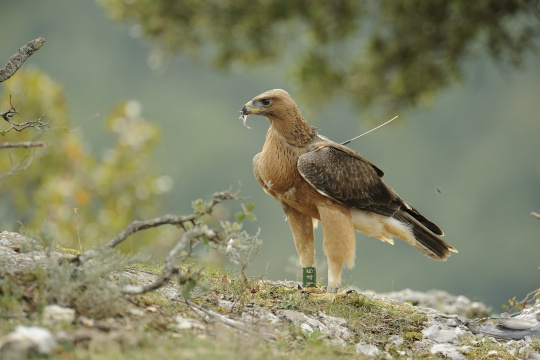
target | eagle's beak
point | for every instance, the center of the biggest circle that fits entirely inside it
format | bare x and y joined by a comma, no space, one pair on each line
246,110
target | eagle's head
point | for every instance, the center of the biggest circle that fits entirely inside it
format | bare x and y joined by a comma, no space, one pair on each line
285,118
275,103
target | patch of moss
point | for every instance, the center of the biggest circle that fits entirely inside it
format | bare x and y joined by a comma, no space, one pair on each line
373,321
22,293
482,353
152,267
66,250
411,336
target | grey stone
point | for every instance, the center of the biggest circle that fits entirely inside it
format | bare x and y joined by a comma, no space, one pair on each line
27,340
183,323
438,335
55,314
367,350
447,350
396,340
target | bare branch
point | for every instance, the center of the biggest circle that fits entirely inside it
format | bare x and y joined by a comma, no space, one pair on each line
535,215
15,62
169,270
8,114
210,316
176,220
180,221
38,123
24,162
23,144
195,232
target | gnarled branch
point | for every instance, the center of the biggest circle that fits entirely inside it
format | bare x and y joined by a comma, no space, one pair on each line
23,144
8,114
15,62
180,221
169,270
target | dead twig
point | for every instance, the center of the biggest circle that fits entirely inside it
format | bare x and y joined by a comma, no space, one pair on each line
194,232
535,215
15,62
181,221
23,144
211,316
27,159
170,270
25,125
7,115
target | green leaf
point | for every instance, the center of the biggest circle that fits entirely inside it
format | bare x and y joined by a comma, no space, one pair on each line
3,133
185,293
251,217
250,206
240,216
188,286
197,204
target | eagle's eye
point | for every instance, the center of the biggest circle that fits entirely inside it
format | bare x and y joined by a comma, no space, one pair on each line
265,102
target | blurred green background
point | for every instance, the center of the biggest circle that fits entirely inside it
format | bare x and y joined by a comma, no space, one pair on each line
468,158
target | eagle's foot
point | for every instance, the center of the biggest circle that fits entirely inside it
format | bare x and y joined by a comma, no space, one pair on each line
330,295
310,290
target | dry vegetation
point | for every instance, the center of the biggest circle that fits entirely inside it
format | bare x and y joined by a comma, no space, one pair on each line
109,324
220,310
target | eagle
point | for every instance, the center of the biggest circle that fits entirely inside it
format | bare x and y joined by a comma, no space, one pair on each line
316,179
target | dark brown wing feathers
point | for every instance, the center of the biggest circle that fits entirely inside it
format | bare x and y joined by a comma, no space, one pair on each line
351,180
348,178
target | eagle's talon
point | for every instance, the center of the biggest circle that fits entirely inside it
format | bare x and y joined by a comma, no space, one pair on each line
310,290
329,296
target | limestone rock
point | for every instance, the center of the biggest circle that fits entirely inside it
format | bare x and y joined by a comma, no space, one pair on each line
367,350
54,314
25,341
448,350
439,335
183,323
442,301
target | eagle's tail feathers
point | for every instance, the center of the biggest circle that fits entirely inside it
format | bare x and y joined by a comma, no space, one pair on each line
422,220
428,239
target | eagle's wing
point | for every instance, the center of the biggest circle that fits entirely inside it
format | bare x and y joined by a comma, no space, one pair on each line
349,179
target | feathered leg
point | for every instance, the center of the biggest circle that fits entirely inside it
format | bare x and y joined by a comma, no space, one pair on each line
302,231
338,244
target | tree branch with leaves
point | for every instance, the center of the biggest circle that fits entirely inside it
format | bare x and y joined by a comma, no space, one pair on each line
387,53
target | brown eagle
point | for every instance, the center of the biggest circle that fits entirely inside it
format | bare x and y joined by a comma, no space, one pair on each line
314,178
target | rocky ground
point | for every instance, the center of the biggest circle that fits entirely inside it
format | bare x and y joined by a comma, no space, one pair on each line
272,313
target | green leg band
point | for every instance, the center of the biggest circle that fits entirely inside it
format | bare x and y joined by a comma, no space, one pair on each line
309,277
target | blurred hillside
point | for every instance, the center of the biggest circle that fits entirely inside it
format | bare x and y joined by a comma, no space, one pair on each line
470,162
